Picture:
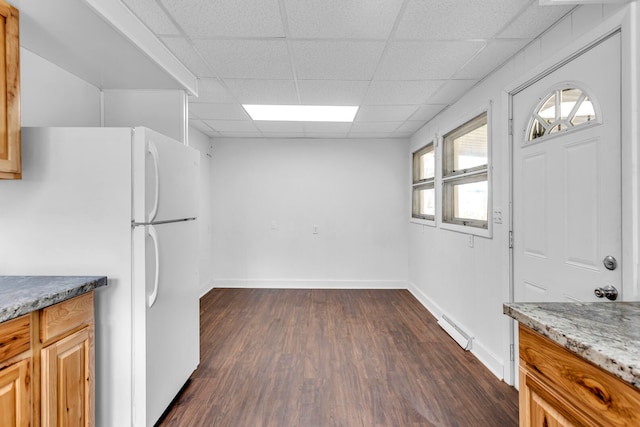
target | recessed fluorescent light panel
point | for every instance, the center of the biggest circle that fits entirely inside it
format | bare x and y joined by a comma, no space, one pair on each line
301,113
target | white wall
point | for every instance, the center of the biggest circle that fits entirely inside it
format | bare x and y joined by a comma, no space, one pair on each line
164,111
51,96
467,284
268,194
202,143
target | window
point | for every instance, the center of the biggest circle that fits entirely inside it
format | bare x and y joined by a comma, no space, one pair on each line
562,110
423,194
465,177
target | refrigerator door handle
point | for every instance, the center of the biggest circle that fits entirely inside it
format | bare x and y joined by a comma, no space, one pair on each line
153,150
151,231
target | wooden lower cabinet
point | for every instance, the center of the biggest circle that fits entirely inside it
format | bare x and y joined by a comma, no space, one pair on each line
67,394
15,402
47,366
560,389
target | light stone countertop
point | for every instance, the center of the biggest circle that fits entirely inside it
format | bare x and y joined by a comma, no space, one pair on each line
23,294
605,334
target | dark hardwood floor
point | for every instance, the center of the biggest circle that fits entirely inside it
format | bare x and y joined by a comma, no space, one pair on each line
316,358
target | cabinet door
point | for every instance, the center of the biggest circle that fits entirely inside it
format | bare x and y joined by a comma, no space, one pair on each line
545,415
67,381
10,160
15,404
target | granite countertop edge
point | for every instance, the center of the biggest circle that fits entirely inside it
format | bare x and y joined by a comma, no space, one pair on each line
21,295
595,350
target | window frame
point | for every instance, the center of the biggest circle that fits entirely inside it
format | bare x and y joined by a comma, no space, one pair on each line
574,128
418,184
447,221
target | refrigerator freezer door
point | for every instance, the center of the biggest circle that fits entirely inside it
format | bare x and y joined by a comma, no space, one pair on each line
167,334
165,176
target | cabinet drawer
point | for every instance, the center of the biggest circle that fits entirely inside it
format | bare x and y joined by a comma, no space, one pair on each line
66,316
14,337
596,394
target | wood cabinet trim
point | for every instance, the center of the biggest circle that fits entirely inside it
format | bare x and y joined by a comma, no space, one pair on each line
10,145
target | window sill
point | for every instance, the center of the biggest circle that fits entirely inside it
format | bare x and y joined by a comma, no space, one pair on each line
428,222
480,232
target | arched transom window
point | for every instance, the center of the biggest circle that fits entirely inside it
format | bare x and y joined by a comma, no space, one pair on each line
560,111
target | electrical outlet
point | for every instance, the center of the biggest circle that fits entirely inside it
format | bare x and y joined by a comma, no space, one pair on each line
471,240
497,215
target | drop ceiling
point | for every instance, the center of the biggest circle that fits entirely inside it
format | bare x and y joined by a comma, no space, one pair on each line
401,61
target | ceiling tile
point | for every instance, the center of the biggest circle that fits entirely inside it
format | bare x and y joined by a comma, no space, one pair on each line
289,127
209,111
331,127
227,18
535,20
490,58
402,134
284,134
425,60
247,59
332,92
202,127
451,91
253,91
456,20
325,135
183,50
153,16
211,90
386,92
370,135
353,19
386,113
336,60
375,126
232,125
427,112
410,127
240,134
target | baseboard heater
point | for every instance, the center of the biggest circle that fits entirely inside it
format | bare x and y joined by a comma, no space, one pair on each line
461,337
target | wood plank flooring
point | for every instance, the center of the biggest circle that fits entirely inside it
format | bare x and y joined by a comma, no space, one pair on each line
321,358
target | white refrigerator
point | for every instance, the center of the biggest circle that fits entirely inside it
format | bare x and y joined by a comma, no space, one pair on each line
120,202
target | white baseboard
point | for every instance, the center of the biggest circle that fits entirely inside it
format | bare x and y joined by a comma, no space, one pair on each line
482,353
308,284
205,288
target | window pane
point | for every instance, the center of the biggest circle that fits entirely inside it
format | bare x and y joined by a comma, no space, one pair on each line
470,200
465,148
424,163
424,202
470,150
466,200
584,114
427,165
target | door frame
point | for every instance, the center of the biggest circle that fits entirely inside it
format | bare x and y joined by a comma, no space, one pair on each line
626,23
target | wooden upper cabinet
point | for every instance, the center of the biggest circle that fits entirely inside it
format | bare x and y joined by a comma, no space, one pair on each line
10,156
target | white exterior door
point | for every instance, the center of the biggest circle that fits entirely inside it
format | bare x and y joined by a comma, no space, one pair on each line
566,180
